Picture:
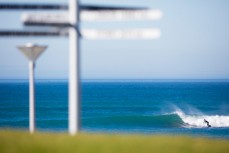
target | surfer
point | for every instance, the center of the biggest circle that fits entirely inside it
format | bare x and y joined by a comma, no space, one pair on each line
205,121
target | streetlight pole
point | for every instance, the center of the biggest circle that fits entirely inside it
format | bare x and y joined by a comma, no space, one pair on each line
32,52
32,103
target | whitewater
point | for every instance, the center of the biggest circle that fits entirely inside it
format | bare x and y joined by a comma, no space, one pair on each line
197,121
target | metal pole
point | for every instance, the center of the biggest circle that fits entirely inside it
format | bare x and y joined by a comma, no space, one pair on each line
31,98
74,96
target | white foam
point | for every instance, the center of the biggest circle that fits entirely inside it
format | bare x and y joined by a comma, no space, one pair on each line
198,120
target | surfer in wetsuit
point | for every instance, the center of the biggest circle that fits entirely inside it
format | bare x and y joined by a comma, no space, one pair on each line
205,121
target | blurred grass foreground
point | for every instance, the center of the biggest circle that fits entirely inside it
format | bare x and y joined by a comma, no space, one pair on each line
21,141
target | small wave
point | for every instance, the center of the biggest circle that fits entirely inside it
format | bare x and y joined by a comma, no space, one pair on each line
198,120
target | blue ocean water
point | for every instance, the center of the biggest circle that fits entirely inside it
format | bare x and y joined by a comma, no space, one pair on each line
138,106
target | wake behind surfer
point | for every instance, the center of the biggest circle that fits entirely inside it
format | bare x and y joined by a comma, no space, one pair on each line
205,121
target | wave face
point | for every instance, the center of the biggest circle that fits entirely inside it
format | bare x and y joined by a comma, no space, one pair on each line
198,120
157,121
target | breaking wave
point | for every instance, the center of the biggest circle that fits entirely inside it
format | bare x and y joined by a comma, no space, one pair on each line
175,119
198,120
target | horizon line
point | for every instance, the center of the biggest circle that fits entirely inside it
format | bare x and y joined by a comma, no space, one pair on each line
123,80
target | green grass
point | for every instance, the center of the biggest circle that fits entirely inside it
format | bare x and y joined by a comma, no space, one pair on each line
21,141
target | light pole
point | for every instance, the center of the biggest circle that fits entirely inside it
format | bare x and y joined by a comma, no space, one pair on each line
32,52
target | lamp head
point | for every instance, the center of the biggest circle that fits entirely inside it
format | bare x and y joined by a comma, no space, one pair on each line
32,51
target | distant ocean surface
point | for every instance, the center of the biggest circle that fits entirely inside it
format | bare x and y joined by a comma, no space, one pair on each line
140,106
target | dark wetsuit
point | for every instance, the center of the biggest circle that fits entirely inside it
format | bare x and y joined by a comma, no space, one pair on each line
205,121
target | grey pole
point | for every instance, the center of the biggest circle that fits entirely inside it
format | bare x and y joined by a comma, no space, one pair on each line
74,96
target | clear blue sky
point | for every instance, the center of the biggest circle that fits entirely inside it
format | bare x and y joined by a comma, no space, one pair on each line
194,45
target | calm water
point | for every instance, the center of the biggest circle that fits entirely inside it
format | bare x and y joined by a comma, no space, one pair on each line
122,106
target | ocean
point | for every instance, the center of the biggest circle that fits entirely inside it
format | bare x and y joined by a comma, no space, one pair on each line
122,106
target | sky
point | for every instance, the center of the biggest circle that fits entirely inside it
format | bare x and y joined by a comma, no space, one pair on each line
194,44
